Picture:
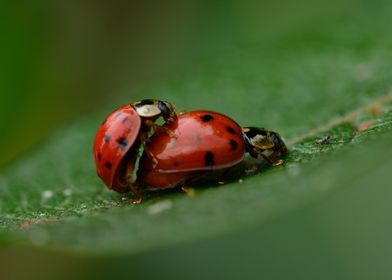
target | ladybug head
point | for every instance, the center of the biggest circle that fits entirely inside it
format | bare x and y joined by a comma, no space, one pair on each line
154,108
264,143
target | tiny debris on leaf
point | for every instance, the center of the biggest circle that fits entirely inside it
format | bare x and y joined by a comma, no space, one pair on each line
47,194
324,140
67,192
251,169
189,191
26,224
364,126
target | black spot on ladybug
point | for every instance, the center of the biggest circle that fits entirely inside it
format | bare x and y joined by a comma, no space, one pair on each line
144,102
106,138
207,118
124,120
99,156
122,142
230,130
176,163
209,159
233,145
254,131
147,101
108,165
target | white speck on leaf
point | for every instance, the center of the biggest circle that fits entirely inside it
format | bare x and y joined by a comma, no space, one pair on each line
159,207
46,194
251,169
67,192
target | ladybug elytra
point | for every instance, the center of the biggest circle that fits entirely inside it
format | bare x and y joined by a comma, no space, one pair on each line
119,137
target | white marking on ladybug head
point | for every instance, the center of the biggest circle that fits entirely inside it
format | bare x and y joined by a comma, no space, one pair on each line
148,110
258,139
261,142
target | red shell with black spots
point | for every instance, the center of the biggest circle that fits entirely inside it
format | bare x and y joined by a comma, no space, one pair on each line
114,141
200,141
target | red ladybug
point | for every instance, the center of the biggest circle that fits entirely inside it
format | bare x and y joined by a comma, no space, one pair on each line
119,137
201,142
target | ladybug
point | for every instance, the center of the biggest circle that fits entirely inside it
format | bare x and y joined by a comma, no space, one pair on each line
203,142
120,136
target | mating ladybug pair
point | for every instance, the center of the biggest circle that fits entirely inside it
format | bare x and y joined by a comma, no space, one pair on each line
186,146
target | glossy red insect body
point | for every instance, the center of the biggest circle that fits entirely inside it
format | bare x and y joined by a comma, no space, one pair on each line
202,141
113,141
120,136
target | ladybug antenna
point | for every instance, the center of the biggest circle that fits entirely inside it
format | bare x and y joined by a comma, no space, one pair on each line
262,143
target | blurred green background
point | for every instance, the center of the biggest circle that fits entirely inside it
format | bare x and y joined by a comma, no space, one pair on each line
62,59
298,64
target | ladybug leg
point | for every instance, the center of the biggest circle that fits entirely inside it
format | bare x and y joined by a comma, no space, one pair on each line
171,118
188,190
273,161
152,158
221,178
137,198
158,129
143,136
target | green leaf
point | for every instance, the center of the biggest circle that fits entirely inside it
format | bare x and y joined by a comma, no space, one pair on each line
326,90
60,192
